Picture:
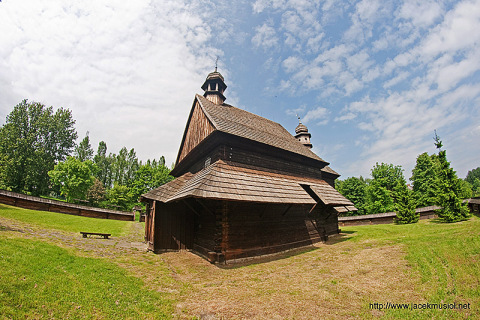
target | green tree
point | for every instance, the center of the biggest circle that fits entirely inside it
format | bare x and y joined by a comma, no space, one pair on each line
104,165
476,187
32,140
354,189
465,189
405,204
379,192
425,178
149,176
119,196
84,150
387,175
453,209
378,198
473,177
96,193
74,177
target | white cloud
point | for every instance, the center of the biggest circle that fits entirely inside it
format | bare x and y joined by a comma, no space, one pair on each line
346,117
265,37
397,79
422,13
292,64
318,113
458,31
121,67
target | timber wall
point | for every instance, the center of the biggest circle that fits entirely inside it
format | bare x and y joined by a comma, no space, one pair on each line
259,229
173,227
36,203
259,161
384,218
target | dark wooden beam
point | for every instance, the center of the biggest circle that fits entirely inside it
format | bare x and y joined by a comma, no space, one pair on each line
288,209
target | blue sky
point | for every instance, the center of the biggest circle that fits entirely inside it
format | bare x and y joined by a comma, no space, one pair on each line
371,79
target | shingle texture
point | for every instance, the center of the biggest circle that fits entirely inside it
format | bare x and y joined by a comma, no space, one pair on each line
247,125
229,181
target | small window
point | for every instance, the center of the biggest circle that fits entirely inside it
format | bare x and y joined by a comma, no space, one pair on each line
207,162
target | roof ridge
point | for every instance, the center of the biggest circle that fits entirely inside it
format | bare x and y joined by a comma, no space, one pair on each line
242,123
243,110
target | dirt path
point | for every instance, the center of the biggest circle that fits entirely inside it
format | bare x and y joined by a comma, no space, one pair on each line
333,281
132,242
336,280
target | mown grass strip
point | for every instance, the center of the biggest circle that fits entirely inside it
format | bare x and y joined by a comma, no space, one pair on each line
40,280
445,256
66,222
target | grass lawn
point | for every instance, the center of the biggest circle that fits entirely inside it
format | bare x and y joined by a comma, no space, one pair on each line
446,258
65,222
71,277
40,280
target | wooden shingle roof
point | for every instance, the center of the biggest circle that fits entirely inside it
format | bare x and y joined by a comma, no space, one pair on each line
229,181
241,123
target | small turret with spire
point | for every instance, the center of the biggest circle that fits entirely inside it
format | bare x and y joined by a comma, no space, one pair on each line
214,87
302,134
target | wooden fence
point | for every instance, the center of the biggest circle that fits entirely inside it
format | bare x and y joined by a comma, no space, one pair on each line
36,203
382,218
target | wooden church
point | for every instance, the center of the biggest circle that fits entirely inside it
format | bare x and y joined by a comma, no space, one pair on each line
243,187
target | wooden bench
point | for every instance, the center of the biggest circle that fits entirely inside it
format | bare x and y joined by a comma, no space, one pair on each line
104,235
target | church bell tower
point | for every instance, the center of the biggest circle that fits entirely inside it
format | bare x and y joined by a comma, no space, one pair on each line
303,135
214,87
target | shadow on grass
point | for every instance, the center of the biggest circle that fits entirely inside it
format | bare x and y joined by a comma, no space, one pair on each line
441,221
341,237
251,261
256,260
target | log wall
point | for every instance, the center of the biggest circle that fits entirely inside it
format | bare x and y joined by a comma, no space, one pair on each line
260,229
269,163
37,203
223,231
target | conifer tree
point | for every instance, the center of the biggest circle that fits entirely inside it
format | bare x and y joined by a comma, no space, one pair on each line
453,209
425,180
405,204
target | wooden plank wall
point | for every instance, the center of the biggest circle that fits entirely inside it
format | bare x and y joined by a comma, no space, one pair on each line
227,230
383,218
173,227
257,229
36,203
207,235
199,128
259,161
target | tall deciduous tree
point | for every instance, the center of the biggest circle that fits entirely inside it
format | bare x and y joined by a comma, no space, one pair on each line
378,198
149,176
379,192
472,175
32,140
74,177
104,165
354,189
387,175
119,197
84,150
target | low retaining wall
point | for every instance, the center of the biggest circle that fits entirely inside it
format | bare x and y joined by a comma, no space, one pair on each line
384,218
36,203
